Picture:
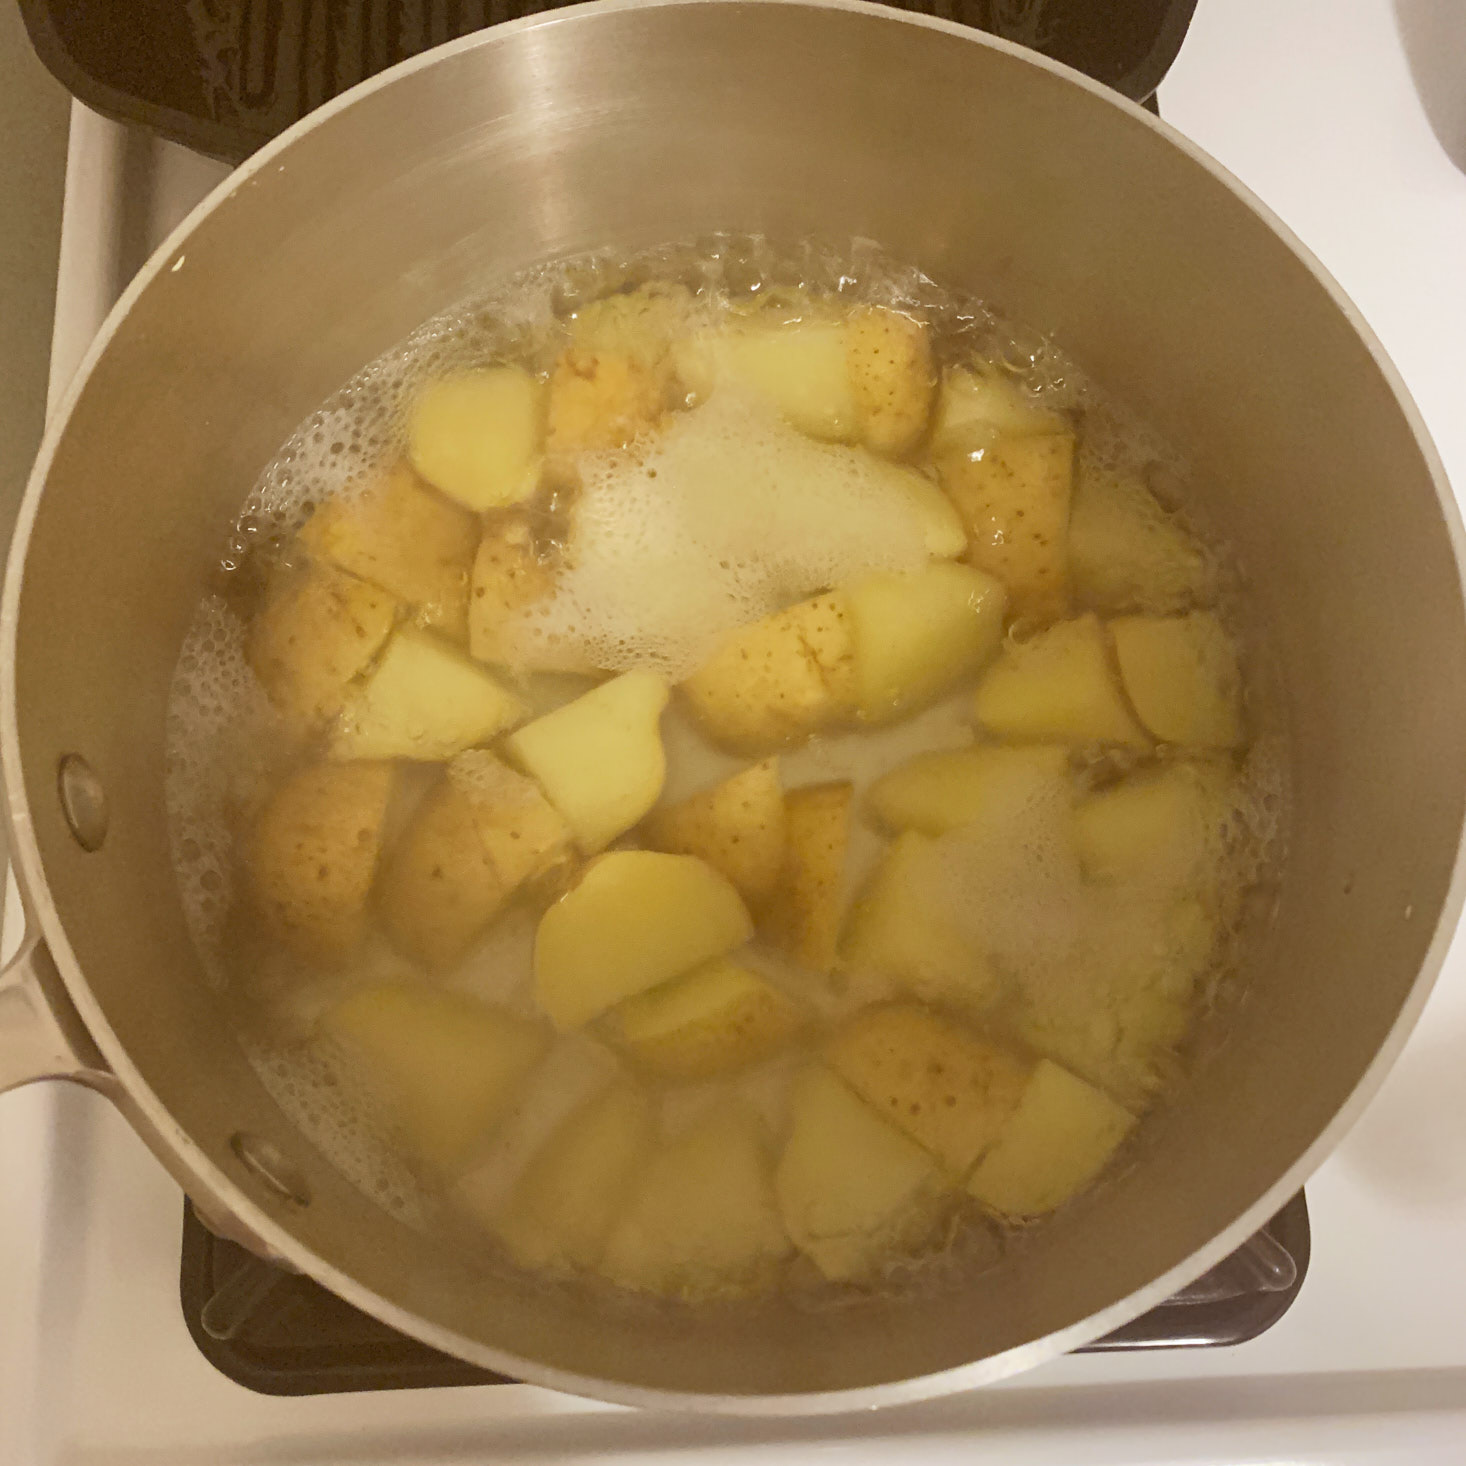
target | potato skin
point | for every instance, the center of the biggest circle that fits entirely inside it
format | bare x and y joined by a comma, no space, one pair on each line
508,574
597,400
808,907
890,362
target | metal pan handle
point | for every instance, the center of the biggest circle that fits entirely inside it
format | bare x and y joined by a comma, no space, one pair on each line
41,1033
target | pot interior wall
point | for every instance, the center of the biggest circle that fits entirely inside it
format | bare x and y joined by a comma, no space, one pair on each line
632,126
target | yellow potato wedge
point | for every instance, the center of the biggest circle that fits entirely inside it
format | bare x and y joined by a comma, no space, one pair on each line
312,854
918,635
1181,673
1014,500
641,324
318,629
405,538
779,679
635,919
599,758
949,1090
736,826
508,575
975,407
701,1221
804,914
889,358
476,435
597,400
942,529
714,1019
423,700
852,1189
937,792
1058,687
445,1065
1059,1138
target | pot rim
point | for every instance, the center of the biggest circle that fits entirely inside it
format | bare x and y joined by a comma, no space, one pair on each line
210,1184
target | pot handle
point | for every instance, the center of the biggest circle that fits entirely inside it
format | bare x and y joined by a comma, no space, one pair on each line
42,1035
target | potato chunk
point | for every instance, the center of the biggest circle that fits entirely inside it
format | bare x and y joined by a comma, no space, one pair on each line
902,929
851,1187
1181,673
508,575
1127,553
423,700
1014,500
736,826
634,919
312,855
641,324
804,914
949,1090
975,407
318,629
599,758
479,834
597,400
937,792
890,362
445,1065
561,1211
1059,1138
702,1221
1057,686
779,679
800,368
942,529
917,635
716,1018
405,538
476,435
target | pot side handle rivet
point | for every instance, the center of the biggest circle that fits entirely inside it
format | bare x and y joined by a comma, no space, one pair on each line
83,801
265,1161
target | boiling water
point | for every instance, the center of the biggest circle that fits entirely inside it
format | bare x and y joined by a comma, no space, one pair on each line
677,544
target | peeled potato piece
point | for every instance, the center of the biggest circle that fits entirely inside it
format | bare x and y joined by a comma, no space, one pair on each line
1014,500
804,914
716,1018
561,1211
318,629
476,435
975,407
479,834
446,1065
424,700
779,679
901,929
407,539
949,1090
852,1189
634,919
1057,687
737,826
312,854
1059,1138
890,364
917,635
599,758
937,792
1181,673
942,529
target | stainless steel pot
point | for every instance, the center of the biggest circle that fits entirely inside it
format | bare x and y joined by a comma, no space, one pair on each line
636,123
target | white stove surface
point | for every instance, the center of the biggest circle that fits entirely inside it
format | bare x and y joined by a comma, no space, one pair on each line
1311,103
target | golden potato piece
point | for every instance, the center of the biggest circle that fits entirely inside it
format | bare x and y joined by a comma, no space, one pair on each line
949,1090
445,1065
736,826
598,400
508,574
405,538
804,915
852,1189
702,1221
779,679
312,854
318,629
1060,1137
940,791
1058,687
476,435
1181,673
890,362
1014,500
716,1018
478,835
976,407
640,324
